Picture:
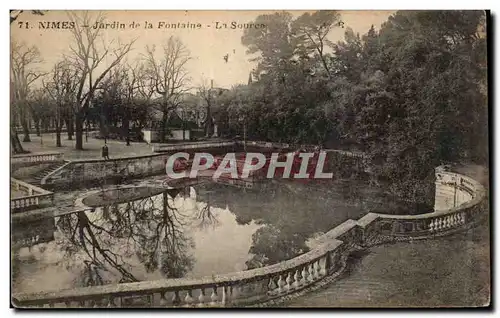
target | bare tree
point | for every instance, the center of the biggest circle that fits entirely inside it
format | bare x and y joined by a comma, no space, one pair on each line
135,84
23,69
14,139
206,93
88,57
169,76
61,88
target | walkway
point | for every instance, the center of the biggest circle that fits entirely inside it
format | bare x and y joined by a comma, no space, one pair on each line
451,271
92,147
17,193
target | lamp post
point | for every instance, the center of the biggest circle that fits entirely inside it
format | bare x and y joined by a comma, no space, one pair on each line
183,124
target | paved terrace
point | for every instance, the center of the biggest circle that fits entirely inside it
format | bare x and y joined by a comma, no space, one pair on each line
92,147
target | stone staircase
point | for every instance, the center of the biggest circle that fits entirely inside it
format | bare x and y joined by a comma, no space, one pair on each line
36,179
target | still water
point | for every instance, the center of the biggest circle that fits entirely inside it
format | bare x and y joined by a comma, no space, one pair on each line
204,230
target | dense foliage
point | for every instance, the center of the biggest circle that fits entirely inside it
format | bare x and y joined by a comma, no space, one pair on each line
410,95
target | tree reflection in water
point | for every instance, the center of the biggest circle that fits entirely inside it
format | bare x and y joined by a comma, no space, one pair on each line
205,217
150,228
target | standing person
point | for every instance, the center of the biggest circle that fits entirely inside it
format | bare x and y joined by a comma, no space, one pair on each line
105,152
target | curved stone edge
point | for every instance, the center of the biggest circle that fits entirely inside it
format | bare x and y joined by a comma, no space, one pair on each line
348,236
80,204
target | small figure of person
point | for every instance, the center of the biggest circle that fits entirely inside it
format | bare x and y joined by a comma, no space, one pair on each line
105,152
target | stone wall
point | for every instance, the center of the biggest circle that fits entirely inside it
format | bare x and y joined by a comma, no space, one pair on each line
452,189
95,172
79,173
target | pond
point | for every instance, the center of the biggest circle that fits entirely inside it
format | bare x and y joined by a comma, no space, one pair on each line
201,230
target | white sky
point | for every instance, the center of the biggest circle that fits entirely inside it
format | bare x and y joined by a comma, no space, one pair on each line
207,45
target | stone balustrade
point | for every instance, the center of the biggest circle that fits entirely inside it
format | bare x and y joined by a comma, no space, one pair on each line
37,157
190,146
271,282
35,196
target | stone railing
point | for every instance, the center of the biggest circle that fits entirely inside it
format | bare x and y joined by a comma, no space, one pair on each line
35,197
194,145
37,157
272,282
78,173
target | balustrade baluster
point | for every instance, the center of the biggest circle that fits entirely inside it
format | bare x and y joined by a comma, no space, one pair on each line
296,281
289,282
163,299
201,298
324,267
432,225
305,273
318,269
111,302
235,292
214,297
176,300
311,272
271,286
280,284
188,299
67,304
225,297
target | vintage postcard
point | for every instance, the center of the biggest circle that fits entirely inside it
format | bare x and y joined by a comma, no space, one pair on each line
170,159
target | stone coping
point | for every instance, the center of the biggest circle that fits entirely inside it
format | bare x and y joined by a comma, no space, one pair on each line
34,154
39,191
331,243
80,204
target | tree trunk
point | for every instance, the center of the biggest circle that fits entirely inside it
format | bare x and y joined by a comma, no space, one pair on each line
15,143
208,123
58,133
79,131
46,125
164,126
126,129
37,126
69,127
26,130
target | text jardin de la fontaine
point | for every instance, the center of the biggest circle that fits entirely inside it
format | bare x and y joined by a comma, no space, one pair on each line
177,25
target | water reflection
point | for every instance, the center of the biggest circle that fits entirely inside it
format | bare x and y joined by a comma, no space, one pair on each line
150,229
205,230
